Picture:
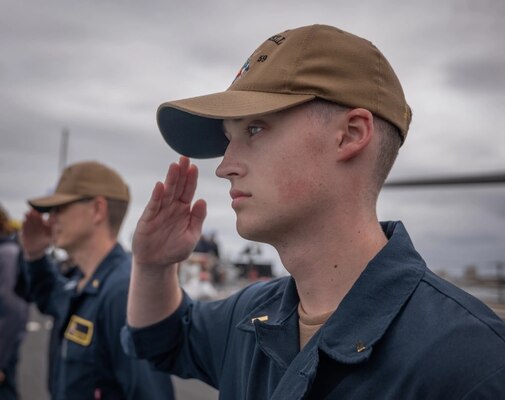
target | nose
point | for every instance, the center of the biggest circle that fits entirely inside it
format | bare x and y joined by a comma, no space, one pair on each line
231,165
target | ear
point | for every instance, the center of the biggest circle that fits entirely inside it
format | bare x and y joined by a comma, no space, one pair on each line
100,209
356,134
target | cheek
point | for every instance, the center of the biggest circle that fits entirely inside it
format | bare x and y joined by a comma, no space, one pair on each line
294,184
299,176
298,167
316,143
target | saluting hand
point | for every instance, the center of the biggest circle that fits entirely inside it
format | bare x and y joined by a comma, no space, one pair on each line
169,227
35,235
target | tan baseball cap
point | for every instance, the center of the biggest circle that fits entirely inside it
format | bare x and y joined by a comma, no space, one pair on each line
290,68
82,180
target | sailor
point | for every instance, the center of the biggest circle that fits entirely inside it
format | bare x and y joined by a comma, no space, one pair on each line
89,307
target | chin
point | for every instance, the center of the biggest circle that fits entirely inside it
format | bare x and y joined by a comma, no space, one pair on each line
254,232
245,230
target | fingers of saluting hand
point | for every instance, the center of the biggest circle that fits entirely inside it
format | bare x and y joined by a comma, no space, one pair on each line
184,168
154,204
180,183
33,219
35,234
198,214
31,215
179,187
189,189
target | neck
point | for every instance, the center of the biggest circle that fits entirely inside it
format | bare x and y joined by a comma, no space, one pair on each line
328,263
91,253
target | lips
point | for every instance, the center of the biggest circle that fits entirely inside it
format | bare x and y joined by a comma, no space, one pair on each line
238,193
238,197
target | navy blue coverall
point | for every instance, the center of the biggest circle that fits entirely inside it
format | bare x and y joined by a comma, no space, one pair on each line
89,360
400,333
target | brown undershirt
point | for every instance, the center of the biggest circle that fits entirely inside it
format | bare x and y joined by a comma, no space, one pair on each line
309,324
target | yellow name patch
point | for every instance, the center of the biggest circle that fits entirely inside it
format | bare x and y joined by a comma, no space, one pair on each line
79,330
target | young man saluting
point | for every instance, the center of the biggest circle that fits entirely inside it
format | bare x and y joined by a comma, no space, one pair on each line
309,131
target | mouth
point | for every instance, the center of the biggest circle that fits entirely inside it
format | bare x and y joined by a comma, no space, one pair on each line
238,196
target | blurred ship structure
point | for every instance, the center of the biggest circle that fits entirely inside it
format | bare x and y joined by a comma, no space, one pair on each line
251,265
486,282
207,275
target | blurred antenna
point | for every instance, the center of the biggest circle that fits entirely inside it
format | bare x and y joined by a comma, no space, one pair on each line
490,178
65,133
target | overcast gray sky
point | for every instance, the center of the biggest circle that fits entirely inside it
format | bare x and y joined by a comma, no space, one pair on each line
101,68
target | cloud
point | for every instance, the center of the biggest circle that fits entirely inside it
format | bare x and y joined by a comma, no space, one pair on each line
478,75
101,69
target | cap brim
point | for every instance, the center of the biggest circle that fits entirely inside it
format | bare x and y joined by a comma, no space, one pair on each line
193,127
44,204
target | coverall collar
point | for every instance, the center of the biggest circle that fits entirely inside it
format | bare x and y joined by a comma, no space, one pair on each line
105,267
362,317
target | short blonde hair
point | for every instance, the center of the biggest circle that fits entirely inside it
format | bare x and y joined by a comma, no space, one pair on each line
116,213
390,139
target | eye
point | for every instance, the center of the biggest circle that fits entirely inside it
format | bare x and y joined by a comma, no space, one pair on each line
254,129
